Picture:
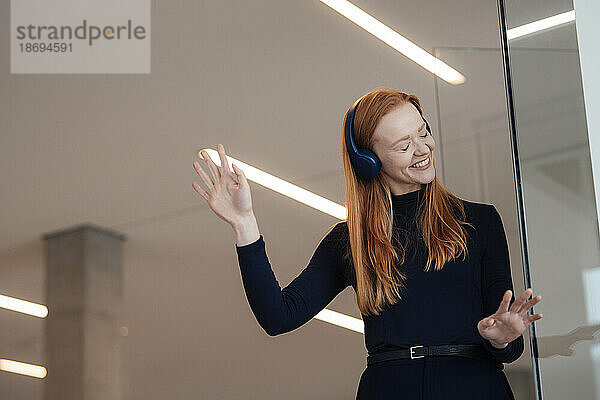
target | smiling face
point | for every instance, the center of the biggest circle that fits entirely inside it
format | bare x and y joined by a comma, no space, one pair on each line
400,141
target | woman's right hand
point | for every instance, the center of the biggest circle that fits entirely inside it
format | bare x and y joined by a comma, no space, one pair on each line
227,196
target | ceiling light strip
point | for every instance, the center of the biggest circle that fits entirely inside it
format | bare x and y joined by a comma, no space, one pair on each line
540,25
342,320
22,368
23,306
396,41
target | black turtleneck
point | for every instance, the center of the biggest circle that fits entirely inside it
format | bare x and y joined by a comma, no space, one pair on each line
409,199
405,209
438,307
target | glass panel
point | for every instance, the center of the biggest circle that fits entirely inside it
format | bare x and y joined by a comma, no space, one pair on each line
559,211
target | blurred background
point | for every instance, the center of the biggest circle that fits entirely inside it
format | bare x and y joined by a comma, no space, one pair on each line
99,222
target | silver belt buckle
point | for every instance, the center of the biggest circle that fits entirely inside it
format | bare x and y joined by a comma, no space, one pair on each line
412,356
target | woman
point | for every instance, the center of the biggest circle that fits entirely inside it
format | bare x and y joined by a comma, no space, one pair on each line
431,271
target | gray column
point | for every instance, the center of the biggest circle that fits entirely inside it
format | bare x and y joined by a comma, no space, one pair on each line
84,289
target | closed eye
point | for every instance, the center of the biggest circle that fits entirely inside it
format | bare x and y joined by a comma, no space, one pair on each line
408,145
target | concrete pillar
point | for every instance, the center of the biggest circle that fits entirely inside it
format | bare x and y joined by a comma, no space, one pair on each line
84,289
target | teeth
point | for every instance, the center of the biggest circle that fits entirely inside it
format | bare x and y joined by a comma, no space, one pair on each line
421,164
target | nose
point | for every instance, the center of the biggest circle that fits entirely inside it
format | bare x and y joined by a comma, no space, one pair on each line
422,148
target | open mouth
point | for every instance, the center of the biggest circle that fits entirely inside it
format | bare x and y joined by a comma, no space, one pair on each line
421,165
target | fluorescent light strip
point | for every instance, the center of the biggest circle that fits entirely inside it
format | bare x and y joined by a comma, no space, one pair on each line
297,193
22,368
279,185
23,306
343,320
540,25
396,41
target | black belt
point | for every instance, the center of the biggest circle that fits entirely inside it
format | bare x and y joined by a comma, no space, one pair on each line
462,350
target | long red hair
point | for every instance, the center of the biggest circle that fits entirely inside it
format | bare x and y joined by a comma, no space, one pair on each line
370,217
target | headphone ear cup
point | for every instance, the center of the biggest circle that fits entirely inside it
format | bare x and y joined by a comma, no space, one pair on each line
366,164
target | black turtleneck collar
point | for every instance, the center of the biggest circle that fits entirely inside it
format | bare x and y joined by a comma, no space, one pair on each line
408,201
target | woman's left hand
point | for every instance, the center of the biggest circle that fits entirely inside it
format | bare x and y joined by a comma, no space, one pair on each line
506,325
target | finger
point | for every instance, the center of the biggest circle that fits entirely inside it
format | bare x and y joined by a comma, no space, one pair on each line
224,163
240,174
503,307
205,178
488,322
214,170
530,318
518,303
525,307
200,190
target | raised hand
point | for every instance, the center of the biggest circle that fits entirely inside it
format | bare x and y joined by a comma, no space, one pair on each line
228,195
506,325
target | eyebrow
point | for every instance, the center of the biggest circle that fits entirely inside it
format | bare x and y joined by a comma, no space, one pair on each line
407,136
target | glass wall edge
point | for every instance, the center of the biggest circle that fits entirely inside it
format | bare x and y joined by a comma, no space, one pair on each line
512,123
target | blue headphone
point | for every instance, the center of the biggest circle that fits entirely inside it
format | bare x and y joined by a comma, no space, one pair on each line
364,162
